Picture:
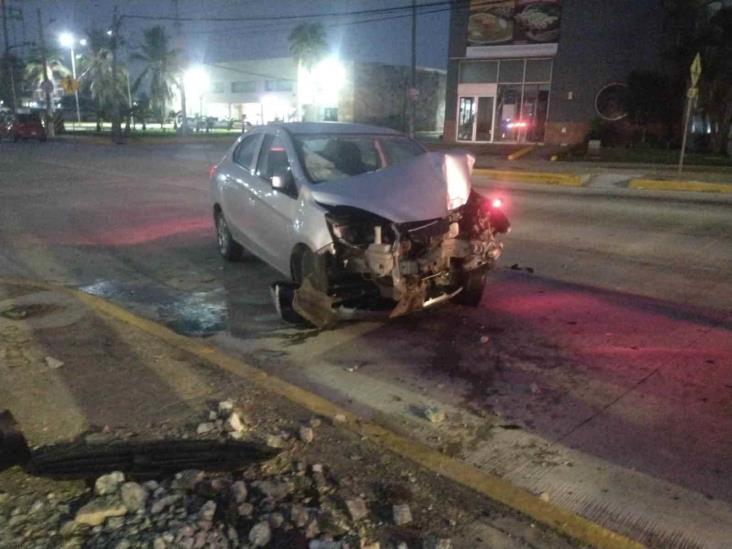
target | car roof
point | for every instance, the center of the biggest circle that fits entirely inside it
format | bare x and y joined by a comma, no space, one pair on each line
332,127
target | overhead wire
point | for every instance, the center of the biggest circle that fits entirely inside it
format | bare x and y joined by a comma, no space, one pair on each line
352,13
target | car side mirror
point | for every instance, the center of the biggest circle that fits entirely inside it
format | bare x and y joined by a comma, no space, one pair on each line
282,180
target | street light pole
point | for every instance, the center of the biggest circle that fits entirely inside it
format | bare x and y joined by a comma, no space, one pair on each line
76,91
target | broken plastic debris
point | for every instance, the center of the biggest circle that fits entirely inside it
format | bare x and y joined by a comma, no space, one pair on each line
434,414
53,363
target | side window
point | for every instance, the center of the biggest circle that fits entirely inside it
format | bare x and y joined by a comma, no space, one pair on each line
244,153
272,158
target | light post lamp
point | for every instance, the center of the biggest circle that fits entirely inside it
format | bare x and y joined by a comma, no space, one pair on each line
68,40
196,80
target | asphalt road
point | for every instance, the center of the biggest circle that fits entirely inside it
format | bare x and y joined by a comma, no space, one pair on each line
603,377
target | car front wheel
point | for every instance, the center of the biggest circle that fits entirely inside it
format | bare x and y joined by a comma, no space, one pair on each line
229,249
473,285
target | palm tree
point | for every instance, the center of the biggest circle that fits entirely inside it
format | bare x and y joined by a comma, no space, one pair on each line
96,75
55,65
162,67
308,45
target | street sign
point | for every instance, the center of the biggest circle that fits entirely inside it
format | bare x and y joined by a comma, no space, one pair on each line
47,87
695,70
70,84
691,93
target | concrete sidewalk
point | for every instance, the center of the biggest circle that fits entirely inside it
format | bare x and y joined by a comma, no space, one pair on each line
585,174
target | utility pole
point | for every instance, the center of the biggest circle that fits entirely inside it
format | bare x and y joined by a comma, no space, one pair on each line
9,64
46,85
114,42
412,94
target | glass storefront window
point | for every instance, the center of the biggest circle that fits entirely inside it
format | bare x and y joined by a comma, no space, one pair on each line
484,119
466,117
534,110
521,100
538,70
508,112
478,72
511,70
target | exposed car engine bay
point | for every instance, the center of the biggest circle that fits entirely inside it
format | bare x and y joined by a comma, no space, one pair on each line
375,264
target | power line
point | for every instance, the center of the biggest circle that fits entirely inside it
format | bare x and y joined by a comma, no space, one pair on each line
300,16
281,26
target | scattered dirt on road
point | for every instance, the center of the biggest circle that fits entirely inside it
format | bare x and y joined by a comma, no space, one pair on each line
327,488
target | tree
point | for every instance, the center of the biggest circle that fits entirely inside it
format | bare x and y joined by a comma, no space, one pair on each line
96,75
162,68
55,64
649,96
716,84
308,45
12,63
706,28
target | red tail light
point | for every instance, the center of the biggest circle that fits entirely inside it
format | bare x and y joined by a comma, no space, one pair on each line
212,170
497,203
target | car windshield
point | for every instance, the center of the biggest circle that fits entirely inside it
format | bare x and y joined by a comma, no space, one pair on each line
332,157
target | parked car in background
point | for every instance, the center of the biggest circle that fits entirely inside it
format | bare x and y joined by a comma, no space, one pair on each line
22,126
358,218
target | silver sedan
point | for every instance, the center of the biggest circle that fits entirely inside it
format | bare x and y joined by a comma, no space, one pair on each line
358,219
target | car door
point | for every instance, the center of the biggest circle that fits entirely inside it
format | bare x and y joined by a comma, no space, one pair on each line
274,210
236,192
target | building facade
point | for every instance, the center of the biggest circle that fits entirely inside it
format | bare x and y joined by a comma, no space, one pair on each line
540,71
346,91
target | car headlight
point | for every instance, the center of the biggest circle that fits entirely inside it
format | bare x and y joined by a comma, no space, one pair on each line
456,171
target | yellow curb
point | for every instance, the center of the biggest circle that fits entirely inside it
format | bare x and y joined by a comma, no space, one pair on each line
496,488
549,178
674,185
521,152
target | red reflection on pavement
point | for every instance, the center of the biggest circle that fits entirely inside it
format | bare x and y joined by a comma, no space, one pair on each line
132,233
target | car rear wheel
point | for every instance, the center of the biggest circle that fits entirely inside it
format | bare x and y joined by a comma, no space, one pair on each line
473,285
229,249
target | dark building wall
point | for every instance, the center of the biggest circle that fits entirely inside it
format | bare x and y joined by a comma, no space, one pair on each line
601,41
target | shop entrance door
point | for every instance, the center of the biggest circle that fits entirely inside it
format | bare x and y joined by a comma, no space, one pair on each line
475,119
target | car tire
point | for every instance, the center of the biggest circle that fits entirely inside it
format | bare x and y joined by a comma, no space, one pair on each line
229,248
473,285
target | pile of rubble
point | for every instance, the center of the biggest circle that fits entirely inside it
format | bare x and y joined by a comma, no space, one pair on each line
280,503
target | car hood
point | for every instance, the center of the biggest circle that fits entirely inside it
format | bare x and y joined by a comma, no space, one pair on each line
425,187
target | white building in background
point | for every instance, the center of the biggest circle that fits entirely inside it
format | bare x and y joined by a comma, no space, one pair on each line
266,90
262,90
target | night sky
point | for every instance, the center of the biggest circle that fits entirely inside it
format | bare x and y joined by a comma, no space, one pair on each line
383,41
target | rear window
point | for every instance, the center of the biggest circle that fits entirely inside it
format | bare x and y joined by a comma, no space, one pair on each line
29,119
332,157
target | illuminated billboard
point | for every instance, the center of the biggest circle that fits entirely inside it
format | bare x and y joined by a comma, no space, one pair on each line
506,22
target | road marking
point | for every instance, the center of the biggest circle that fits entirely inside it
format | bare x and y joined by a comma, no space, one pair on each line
674,185
494,487
548,178
521,152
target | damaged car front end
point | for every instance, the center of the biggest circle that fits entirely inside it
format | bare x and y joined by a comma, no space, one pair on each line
362,220
393,255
